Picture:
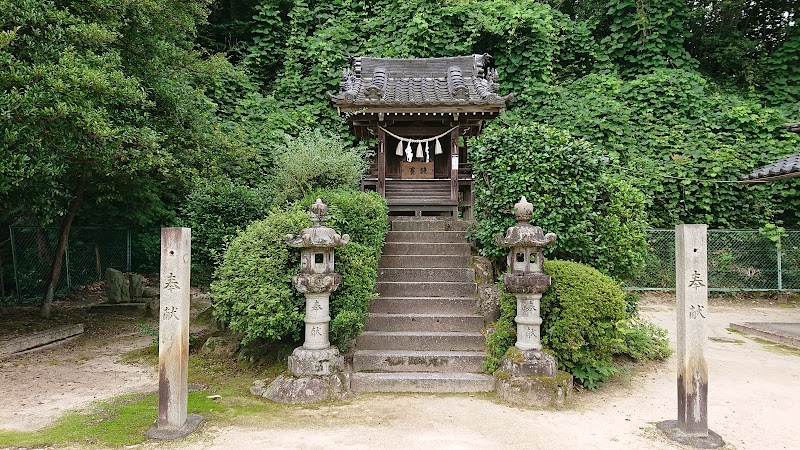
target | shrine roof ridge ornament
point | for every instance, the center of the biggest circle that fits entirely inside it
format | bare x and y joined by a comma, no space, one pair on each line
385,83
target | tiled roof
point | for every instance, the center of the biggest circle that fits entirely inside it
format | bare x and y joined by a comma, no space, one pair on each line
386,82
788,167
785,168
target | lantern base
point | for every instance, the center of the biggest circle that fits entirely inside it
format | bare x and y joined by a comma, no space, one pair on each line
307,389
316,376
324,362
530,378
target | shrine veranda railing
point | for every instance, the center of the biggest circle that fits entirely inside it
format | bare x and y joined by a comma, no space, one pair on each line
738,260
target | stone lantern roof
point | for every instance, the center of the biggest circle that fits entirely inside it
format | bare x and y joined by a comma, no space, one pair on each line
318,235
523,234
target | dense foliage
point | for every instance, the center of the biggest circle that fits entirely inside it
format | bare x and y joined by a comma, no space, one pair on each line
216,212
585,324
598,217
253,292
674,136
113,112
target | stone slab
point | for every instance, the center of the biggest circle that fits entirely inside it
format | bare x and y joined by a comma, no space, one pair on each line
425,289
430,224
426,236
415,340
423,322
424,305
536,391
425,248
303,390
40,339
169,434
421,382
418,361
427,261
672,431
781,333
429,274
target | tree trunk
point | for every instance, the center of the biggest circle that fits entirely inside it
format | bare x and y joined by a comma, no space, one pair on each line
63,235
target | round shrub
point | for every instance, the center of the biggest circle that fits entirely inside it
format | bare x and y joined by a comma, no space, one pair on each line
314,159
252,291
580,313
599,218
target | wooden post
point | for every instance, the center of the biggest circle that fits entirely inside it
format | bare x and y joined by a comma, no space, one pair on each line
454,166
691,288
173,337
381,160
691,308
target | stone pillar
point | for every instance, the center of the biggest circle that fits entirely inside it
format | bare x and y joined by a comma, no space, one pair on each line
173,337
528,322
691,292
316,321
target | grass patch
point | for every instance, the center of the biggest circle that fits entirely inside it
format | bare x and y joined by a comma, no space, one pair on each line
122,421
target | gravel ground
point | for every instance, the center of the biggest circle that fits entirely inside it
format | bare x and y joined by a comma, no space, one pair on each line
754,400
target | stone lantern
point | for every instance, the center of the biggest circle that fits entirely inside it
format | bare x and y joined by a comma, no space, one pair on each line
317,279
527,280
316,367
532,378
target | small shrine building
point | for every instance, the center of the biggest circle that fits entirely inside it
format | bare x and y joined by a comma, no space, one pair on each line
422,113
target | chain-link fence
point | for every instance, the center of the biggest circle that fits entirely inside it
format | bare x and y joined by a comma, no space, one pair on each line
90,251
738,260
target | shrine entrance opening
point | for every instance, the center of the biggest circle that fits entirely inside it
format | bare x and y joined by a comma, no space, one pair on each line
421,113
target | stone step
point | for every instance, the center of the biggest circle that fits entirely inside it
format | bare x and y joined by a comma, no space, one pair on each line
426,248
424,305
417,361
419,340
421,382
428,261
427,274
430,225
425,289
423,322
440,237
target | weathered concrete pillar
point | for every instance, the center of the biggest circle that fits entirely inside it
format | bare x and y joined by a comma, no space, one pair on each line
173,337
691,291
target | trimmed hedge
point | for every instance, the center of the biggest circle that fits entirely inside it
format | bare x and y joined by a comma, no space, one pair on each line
580,312
216,212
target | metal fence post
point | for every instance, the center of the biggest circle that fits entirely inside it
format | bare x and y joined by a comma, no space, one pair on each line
14,261
129,251
780,269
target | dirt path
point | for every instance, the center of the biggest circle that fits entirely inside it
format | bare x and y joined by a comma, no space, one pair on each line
38,387
754,403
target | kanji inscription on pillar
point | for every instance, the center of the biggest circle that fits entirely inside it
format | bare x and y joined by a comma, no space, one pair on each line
691,285
173,336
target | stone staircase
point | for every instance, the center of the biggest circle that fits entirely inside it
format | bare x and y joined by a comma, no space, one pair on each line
424,333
